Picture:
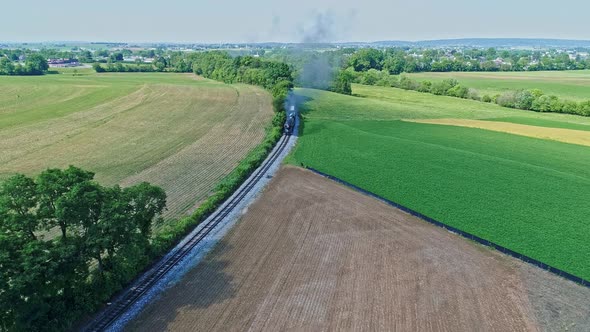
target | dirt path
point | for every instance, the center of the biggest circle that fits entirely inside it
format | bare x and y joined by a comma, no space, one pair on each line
312,255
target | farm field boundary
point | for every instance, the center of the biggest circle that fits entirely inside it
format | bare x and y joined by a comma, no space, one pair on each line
571,136
572,85
464,234
190,250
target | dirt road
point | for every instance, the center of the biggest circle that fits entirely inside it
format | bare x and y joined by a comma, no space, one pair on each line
312,255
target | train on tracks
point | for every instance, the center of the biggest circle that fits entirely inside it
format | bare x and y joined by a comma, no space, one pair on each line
290,122
119,306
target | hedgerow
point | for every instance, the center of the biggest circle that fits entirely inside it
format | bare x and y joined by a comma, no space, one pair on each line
173,232
275,77
529,100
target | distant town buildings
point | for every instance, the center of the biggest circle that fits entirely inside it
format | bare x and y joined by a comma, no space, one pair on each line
135,58
62,63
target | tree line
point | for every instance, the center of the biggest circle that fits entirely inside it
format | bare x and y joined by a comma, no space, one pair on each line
334,69
123,68
34,64
530,100
67,243
275,76
317,70
396,60
221,66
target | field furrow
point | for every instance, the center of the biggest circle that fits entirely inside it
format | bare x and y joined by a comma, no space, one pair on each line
311,255
182,134
528,194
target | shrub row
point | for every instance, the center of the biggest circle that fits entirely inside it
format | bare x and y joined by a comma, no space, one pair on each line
35,64
530,100
275,77
123,68
397,60
172,232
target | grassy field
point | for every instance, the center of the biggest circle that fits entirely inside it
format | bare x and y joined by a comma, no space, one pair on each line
572,85
528,194
175,130
580,137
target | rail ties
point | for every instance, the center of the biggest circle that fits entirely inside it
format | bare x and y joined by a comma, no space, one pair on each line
120,305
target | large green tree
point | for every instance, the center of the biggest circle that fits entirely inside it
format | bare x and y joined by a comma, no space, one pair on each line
342,83
6,66
18,201
105,237
35,64
367,58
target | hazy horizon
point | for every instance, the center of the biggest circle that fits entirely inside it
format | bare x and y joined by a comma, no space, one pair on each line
206,21
278,42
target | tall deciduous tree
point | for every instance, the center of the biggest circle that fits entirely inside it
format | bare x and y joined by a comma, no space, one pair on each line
367,58
45,282
36,64
6,66
53,184
18,200
146,202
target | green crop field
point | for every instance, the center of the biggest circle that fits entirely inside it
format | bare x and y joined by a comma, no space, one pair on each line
178,131
527,194
572,85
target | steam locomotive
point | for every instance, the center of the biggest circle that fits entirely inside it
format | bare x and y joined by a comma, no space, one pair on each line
290,122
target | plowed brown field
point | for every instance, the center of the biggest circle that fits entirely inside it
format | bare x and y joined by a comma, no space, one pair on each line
312,255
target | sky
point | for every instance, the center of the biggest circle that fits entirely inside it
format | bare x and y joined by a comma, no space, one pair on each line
222,21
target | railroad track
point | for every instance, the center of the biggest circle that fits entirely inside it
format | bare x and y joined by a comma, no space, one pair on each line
121,304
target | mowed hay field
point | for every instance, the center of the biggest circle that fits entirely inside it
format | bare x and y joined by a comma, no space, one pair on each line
571,84
311,255
566,135
177,131
528,194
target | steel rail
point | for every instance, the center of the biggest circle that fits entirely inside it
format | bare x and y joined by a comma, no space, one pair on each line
120,305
